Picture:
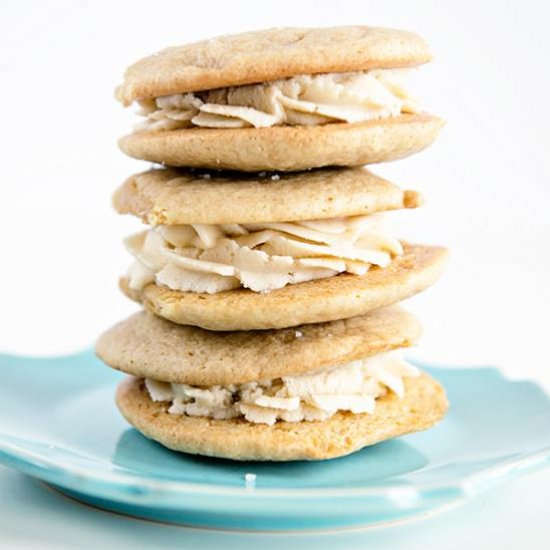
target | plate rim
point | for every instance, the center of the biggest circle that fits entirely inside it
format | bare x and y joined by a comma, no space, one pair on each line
122,483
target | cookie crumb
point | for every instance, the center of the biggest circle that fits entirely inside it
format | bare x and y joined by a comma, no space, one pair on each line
250,480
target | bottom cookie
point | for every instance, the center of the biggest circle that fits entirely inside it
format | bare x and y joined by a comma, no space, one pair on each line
423,405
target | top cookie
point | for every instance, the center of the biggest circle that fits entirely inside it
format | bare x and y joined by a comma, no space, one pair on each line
259,56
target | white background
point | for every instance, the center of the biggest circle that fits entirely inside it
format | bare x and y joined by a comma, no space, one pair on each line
487,179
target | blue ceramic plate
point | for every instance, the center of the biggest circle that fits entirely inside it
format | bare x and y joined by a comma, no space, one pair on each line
58,423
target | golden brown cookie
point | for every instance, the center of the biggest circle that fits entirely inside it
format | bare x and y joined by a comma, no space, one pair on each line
286,147
259,56
316,301
173,197
423,405
148,346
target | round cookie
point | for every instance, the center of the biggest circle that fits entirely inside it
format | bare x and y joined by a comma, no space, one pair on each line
316,301
165,196
270,54
286,148
148,346
423,405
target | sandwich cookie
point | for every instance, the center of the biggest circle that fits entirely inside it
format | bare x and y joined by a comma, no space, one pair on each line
312,393
280,99
252,252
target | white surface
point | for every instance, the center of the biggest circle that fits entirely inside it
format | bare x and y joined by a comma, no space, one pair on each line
487,179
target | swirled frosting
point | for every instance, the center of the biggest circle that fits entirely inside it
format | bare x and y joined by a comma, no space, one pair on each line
353,387
258,256
299,100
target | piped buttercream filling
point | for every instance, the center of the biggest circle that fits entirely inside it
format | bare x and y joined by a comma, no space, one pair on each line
258,256
300,100
352,387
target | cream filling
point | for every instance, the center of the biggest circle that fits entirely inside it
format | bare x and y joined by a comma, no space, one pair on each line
299,100
258,256
350,387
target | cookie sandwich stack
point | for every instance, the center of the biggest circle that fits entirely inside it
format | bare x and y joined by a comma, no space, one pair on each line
268,273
